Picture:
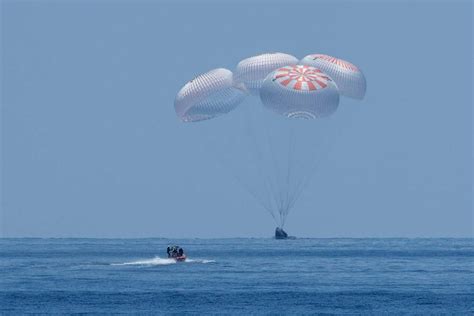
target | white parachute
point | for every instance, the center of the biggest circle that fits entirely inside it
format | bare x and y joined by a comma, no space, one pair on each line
253,70
207,96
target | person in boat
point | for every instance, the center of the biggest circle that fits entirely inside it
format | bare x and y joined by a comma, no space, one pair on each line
171,251
175,252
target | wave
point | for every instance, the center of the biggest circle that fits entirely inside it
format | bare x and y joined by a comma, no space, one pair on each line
200,260
157,261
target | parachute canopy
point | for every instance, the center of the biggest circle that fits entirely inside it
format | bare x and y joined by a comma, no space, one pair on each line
349,79
207,96
252,71
300,92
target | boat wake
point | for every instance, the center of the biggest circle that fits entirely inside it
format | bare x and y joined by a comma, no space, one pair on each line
157,261
200,261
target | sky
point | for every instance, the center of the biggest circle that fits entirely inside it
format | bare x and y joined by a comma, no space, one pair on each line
91,146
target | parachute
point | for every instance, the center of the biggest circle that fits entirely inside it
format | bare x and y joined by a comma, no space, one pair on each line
286,134
252,71
348,78
207,96
300,92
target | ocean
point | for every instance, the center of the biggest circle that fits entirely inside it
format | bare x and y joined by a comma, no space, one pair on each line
237,276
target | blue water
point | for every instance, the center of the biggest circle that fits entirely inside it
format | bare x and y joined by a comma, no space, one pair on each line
238,276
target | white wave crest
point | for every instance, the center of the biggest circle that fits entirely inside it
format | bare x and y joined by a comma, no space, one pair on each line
200,261
157,261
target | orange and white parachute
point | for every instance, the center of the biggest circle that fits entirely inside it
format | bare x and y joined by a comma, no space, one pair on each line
300,92
349,78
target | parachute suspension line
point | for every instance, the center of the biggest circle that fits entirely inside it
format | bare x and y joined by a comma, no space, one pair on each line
316,158
269,175
304,181
303,184
278,196
228,166
258,155
255,196
294,174
252,192
286,207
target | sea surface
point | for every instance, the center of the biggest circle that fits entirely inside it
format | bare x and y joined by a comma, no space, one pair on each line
238,276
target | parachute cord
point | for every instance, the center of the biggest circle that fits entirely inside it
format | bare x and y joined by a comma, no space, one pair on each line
275,175
288,167
254,195
258,199
259,163
266,184
228,166
303,183
278,196
317,159
289,171
294,188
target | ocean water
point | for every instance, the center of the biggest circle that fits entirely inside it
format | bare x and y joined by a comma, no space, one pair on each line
238,276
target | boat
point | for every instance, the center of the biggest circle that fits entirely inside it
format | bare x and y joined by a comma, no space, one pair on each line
180,258
176,253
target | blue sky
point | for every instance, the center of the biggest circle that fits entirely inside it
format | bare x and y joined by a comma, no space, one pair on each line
91,146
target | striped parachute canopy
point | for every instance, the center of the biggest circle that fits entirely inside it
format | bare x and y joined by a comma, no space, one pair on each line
300,91
252,71
207,96
348,78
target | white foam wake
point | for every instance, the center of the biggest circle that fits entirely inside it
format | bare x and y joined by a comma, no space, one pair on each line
200,261
157,261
